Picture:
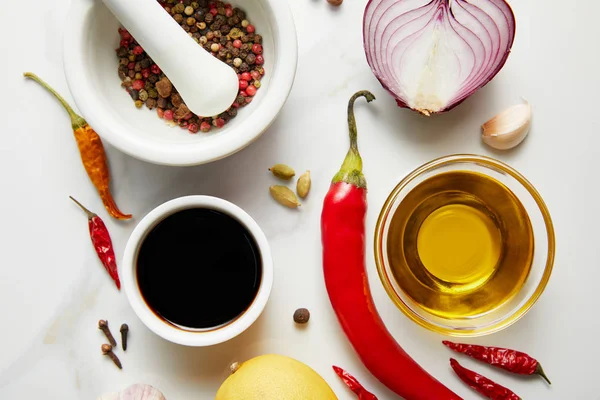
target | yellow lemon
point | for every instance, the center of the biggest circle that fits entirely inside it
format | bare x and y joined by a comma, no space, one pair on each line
275,377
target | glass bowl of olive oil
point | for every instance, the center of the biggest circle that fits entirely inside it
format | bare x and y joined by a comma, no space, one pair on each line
464,245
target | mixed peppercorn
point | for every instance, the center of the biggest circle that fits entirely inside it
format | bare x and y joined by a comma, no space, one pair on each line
221,30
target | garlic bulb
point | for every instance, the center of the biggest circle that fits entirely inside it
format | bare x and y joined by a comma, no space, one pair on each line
507,129
135,392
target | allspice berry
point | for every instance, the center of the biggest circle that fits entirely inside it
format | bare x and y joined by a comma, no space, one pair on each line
335,2
301,316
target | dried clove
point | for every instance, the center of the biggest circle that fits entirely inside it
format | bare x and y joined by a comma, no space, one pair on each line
124,331
103,326
107,351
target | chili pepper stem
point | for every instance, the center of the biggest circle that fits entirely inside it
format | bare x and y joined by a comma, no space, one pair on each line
351,170
88,212
76,120
540,371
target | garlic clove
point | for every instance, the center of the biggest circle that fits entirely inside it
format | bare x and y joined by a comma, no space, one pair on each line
135,392
509,128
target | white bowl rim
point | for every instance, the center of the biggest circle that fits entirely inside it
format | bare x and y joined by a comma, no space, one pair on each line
163,328
280,86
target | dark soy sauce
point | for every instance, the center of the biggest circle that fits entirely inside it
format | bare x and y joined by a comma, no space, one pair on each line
199,268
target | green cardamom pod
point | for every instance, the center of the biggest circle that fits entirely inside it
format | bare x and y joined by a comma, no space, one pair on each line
284,196
303,184
283,171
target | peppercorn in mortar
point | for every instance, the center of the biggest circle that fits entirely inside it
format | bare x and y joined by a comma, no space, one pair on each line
221,30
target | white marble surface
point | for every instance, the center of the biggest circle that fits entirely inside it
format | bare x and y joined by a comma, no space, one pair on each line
53,290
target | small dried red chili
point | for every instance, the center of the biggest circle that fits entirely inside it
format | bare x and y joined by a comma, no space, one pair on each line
481,384
102,243
354,385
507,359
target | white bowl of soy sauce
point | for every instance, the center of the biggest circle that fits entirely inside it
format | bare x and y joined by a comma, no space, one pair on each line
197,270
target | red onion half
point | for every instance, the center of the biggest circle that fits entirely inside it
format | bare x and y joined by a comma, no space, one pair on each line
433,54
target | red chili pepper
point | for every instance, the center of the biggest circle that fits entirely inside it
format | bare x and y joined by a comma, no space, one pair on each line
343,237
102,243
481,384
507,359
354,385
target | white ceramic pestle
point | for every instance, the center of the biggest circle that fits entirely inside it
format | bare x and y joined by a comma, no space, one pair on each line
207,85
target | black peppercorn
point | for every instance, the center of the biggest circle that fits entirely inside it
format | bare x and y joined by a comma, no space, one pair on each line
241,14
208,18
151,103
251,59
232,111
131,74
301,316
225,29
258,39
162,102
244,39
153,78
223,40
178,18
122,75
145,63
243,54
240,99
122,52
135,95
244,67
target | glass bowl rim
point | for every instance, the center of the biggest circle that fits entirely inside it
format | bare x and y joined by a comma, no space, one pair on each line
489,163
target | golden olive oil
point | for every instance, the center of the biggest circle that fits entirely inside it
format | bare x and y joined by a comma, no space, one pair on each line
460,244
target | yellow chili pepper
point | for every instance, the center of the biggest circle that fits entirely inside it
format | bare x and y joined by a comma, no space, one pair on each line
91,151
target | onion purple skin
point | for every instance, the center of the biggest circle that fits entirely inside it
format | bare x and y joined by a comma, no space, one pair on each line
401,103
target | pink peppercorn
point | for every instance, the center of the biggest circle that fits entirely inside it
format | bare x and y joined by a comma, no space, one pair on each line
205,126
228,12
256,75
193,128
212,4
155,69
124,43
243,93
246,76
131,65
260,60
219,122
251,90
146,73
125,35
237,43
250,29
235,105
169,115
160,112
243,84
214,11
249,100
257,48
137,50
138,84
